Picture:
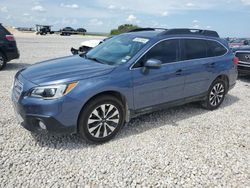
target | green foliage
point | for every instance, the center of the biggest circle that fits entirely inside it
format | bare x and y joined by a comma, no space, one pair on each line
123,29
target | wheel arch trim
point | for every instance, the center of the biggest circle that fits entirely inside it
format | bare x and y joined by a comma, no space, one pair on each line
114,93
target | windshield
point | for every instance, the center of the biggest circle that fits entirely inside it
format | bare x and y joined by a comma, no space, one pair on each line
117,50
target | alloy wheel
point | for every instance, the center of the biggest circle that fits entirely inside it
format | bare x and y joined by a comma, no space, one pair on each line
103,121
216,95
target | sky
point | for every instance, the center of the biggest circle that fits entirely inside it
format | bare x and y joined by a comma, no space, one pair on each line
230,18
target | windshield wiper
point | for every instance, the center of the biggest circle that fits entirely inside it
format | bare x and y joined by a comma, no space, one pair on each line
94,59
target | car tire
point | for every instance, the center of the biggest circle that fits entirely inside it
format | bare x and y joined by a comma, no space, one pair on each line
216,95
2,61
101,119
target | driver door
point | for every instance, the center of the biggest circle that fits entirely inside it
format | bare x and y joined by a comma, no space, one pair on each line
157,86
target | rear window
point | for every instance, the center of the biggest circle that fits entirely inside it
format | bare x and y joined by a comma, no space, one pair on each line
199,48
3,30
215,49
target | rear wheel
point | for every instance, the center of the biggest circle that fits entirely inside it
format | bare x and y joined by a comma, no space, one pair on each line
2,61
216,95
101,119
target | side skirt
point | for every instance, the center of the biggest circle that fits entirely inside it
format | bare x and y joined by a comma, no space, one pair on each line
147,110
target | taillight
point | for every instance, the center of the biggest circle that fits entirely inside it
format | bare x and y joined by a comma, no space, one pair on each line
10,37
236,60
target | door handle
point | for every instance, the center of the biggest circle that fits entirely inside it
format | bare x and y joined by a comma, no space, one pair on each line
178,72
211,65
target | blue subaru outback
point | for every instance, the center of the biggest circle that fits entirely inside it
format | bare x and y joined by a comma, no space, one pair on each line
138,72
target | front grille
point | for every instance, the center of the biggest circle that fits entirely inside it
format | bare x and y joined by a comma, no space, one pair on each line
244,68
243,57
17,89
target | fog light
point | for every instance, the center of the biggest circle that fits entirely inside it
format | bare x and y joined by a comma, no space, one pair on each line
42,125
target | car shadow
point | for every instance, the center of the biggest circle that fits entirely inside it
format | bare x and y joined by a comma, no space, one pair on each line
171,116
136,126
15,66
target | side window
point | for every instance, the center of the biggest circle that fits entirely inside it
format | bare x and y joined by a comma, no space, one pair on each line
194,49
166,51
3,30
215,49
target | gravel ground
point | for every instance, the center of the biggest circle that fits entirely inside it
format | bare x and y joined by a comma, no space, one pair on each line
179,147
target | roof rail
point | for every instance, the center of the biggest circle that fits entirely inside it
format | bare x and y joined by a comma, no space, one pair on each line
146,29
191,31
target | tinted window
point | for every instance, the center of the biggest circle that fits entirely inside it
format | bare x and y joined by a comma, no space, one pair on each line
215,49
166,51
194,49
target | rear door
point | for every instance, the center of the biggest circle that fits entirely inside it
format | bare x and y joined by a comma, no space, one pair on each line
197,71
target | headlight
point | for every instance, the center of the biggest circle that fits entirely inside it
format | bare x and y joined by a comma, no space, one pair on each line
53,91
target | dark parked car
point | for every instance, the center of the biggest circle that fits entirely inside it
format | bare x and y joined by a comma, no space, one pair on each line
81,30
243,53
126,76
8,47
67,31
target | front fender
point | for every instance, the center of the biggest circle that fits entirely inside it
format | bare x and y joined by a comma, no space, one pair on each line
87,89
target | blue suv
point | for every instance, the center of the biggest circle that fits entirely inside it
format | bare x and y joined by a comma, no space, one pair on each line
138,72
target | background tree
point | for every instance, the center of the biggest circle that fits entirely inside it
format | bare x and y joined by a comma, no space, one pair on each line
123,29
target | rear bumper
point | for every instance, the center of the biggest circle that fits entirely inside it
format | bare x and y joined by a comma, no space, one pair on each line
12,53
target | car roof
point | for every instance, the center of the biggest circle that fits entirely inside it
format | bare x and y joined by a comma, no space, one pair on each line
146,34
159,35
179,32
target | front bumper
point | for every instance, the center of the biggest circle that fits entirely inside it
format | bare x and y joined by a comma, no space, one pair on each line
31,121
244,61
59,115
12,53
244,70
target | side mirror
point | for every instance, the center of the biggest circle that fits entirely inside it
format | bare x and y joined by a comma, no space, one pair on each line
153,64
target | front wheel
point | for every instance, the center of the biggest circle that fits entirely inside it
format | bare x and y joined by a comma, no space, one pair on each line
101,119
215,96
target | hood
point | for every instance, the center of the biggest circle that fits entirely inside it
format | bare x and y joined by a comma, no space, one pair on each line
65,69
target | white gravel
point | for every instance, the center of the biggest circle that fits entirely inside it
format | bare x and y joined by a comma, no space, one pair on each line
185,146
